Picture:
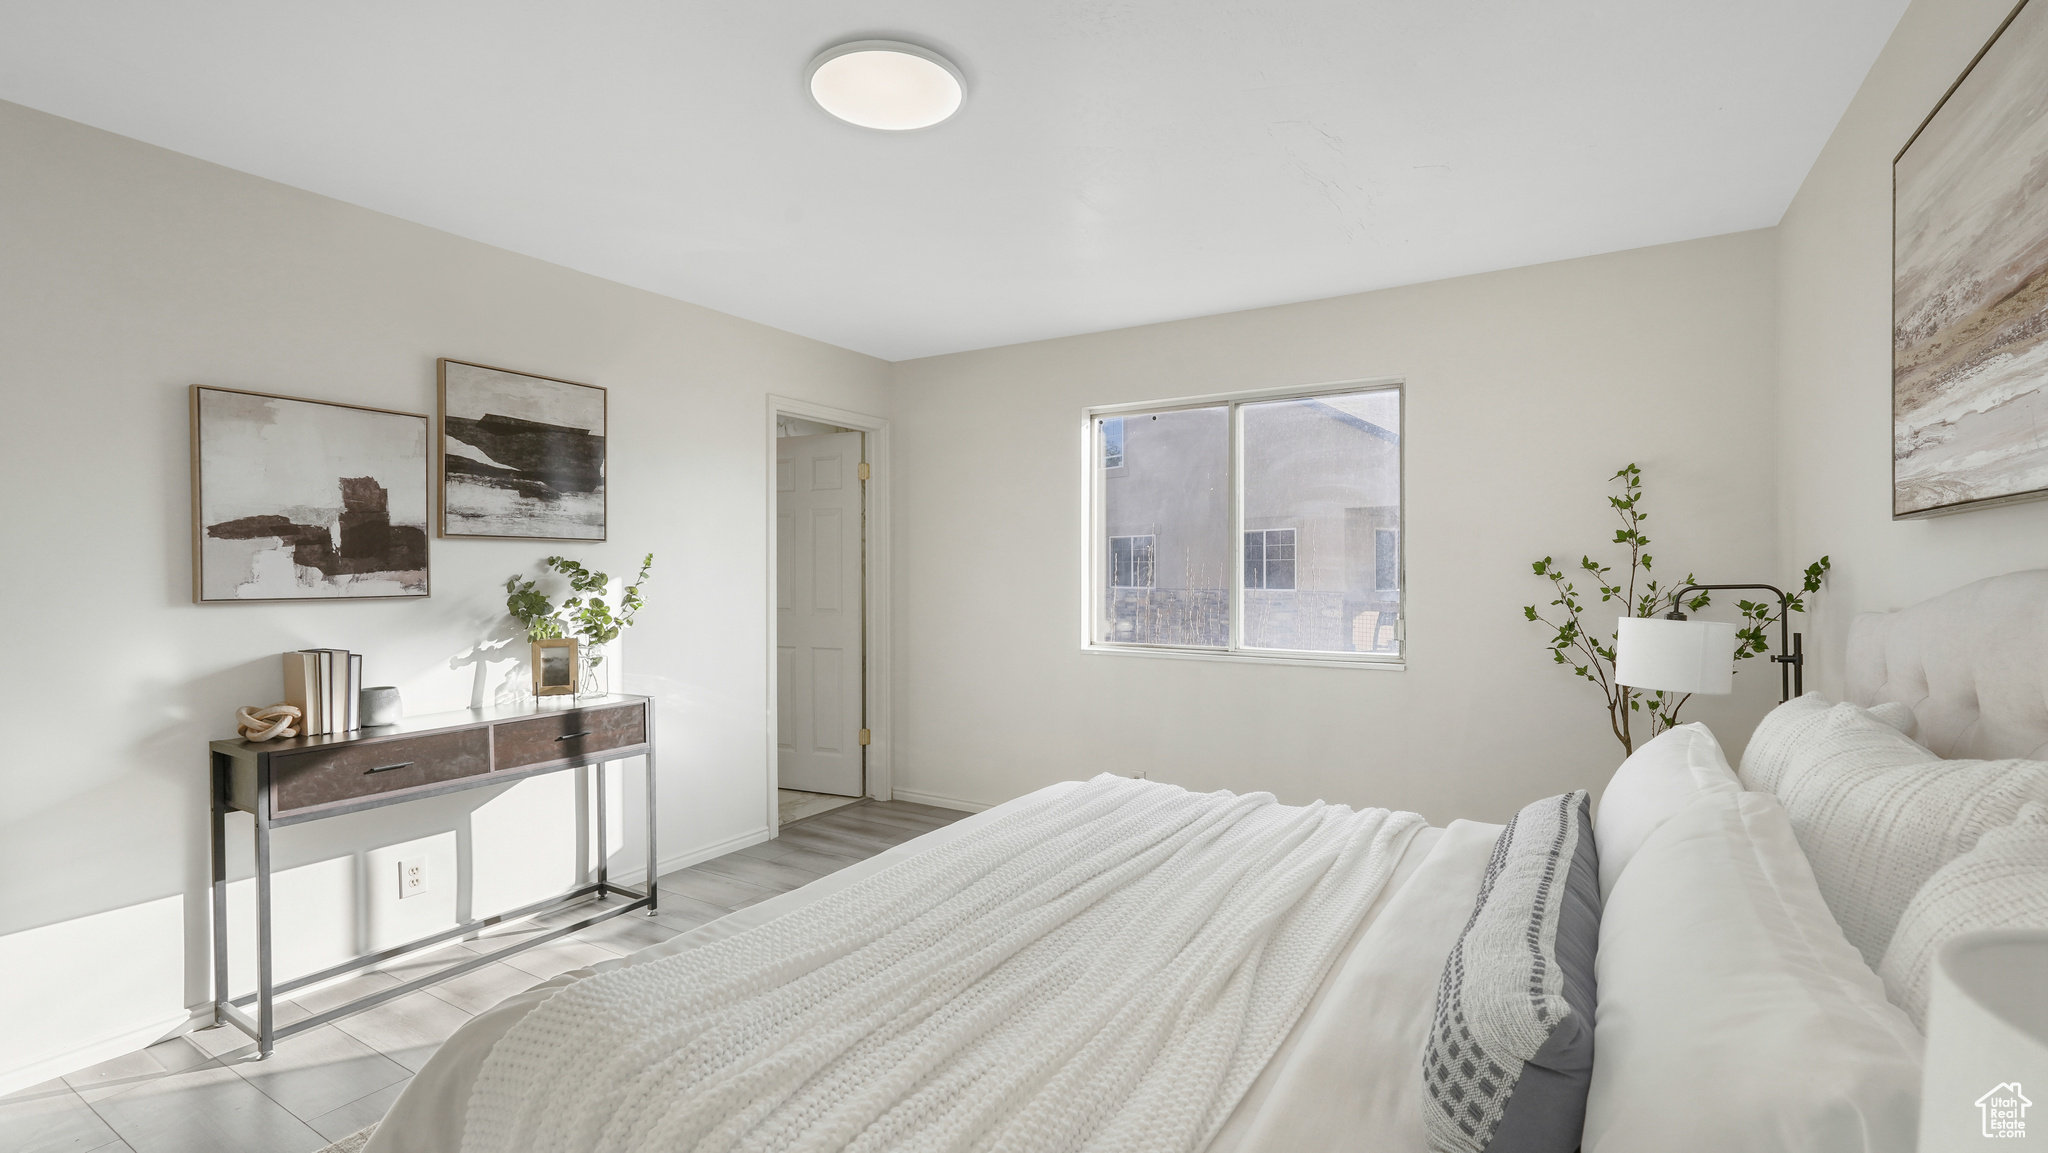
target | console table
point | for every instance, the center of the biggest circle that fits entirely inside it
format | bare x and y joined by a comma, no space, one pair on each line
290,782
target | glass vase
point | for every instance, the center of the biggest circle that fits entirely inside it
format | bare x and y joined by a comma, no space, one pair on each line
594,676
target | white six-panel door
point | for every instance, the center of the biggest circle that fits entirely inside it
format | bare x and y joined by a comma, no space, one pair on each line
818,612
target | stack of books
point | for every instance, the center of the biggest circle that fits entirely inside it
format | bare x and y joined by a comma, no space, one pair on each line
325,684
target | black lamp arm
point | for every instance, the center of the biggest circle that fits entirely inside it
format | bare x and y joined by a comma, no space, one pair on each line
1791,655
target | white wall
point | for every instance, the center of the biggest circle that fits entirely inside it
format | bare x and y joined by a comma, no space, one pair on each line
1526,390
1835,354
126,274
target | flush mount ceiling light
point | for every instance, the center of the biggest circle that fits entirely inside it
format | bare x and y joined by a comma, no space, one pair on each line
885,84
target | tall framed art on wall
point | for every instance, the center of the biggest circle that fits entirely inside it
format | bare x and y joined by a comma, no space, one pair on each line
1970,284
522,456
297,499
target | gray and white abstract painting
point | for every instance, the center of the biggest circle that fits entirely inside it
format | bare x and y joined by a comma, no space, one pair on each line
1970,286
521,456
304,500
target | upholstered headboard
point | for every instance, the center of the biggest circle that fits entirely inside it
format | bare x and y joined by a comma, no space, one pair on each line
1972,664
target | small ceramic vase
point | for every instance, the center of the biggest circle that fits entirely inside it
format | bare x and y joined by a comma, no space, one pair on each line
380,706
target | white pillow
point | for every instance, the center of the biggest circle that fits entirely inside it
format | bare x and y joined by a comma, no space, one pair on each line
1785,730
1878,814
1898,715
1655,782
1780,734
1732,1012
2000,884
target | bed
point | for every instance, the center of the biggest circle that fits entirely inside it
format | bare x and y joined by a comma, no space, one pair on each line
1739,998
1373,1008
1971,664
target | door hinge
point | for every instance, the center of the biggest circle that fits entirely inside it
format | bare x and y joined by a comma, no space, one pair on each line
865,736
863,470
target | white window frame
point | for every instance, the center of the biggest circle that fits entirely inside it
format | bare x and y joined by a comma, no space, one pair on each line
1095,541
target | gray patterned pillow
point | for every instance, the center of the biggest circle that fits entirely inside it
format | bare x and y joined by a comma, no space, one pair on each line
1510,1052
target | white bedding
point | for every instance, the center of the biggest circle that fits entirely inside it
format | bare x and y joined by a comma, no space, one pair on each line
1345,1076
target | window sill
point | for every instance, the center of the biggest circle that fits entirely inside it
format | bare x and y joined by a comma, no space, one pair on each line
1393,664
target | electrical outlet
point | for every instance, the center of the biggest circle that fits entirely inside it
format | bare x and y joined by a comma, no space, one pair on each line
412,877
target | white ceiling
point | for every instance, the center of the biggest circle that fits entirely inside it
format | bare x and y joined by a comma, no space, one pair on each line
1117,161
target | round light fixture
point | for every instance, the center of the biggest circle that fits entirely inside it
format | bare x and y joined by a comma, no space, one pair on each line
885,84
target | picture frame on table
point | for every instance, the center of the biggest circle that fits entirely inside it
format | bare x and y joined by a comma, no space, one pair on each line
557,666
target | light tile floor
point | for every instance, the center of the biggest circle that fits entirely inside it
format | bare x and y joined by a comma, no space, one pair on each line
204,1092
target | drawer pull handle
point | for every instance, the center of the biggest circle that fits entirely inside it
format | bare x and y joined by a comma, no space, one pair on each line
388,768
573,736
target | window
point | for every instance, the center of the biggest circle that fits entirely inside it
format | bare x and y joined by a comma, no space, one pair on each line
1262,525
1269,558
1386,560
1176,502
1130,562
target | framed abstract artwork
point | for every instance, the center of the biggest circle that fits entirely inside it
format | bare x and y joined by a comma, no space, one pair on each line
306,499
522,456
1970,285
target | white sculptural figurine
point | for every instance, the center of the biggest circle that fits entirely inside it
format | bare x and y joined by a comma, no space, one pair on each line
265,724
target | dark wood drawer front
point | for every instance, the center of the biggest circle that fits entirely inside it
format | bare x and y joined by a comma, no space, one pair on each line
324,776
566,735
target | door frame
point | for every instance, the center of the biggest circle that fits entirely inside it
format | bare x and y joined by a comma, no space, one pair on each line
875,705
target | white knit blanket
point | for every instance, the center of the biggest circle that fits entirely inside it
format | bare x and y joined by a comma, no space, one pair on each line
1109,969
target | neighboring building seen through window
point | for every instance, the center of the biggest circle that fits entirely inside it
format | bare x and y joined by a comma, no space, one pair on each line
1317,564
1130,562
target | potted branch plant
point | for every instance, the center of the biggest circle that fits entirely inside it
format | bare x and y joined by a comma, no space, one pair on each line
1639,594
585,619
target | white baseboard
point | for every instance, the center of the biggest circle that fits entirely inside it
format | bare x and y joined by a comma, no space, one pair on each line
940,801
731,844
92,1052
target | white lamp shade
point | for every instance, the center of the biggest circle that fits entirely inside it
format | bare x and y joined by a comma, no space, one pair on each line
1987,1041
1675,656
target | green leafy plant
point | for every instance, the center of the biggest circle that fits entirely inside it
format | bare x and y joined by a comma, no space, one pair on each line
588,615
1640,594
585,613
532,609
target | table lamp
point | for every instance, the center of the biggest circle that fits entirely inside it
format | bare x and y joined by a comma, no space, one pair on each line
1679,655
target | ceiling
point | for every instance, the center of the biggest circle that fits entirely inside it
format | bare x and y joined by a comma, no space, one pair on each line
1117,161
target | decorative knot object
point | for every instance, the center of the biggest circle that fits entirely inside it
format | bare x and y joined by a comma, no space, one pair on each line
267,723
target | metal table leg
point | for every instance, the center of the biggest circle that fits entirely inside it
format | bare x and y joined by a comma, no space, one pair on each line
219,819
266,1019
652,887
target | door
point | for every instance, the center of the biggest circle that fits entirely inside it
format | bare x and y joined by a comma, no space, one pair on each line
818,681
